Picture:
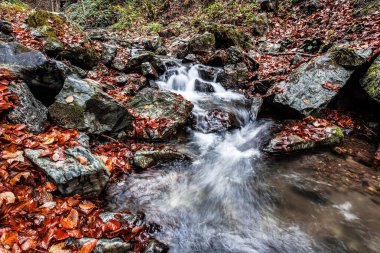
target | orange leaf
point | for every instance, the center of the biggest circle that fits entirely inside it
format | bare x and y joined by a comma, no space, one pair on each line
86,207
60,234
89,246
9,238
71,221
113,225
82,160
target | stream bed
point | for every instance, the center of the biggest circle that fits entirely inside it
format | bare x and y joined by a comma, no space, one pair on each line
230,197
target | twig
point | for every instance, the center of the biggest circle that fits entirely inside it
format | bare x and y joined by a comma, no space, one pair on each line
110,138
291,53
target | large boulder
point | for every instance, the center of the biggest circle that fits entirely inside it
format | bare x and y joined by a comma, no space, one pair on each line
365,7
114,245
215,120
201,43
73,171
371,80
42,74
29,110
135,63
313,85
159,114
233,75
145,159
82,105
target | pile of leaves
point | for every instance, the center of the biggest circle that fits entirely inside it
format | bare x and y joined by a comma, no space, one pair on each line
7,100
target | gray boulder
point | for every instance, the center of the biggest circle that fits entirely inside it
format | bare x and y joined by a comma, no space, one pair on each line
161,106
314,84
201,43
108,53
29,110
216,120
82,105
136,219
148,70
135,62
371,80
233,75
71,176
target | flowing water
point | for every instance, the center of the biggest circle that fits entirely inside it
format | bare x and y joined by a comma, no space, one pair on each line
220,201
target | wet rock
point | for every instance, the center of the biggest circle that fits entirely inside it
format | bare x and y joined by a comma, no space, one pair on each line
218,59
203,86
256,105
29,110
371,80
161,51
156,247
162,105
145,159
233,75
83,106
40,18
365,7
260,24
169,32
6,38
268,5
108,53
288,141
118,64
347,57
148,70
6,27
180,49
115,245
71,176
215,120
234,55
201,43
312,190
52,47
135,62
207,73
81,56
152,44
46,76
314,84
189,58
136,219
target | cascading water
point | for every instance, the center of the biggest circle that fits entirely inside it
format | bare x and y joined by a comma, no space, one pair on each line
216,203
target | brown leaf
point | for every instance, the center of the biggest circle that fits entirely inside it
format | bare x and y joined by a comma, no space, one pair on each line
89,246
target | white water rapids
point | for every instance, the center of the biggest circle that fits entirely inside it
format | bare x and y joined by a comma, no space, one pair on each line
217,202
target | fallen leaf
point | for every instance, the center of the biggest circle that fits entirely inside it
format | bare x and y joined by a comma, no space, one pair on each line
69,99
89,246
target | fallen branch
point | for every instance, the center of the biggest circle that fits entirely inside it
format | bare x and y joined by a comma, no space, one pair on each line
291,53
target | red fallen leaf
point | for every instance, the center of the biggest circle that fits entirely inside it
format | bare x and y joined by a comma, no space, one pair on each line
86,207
46,152
71,201
18,176
4,72
89,246
71,221
50,187
3,87
135,230
60,234
47,238
113,225
4,82
29,244
377,155
9,238
75,233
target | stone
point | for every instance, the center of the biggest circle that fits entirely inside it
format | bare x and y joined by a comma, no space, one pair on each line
42,74
201,43
216,120
152,44
371,80
227,36
218,59
234,55
135,62
136,219
118,64
92,110
148,70
256,104
114,245
69,175
315,83
155,246
179,48
162,105
108,53
6,27
169,32
203,86
260,24
29,110
268,5
161,51
189,58
289,142
233,75
145,159
269,47
365,7
82,56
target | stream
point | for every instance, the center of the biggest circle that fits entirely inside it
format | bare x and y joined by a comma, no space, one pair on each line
229,198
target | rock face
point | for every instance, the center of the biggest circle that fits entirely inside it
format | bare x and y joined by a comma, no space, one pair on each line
233,75
83,106
34,68
88,177
227,36
201,43
315,84
29,110
135,63
371,80
145,159
162,106
287,142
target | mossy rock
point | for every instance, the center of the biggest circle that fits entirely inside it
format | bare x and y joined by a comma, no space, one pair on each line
227,35
202,42
82,56
41,18
365,7
371,80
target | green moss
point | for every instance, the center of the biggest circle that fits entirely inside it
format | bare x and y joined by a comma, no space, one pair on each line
22,49
371,80
42,18
68,116
336,136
